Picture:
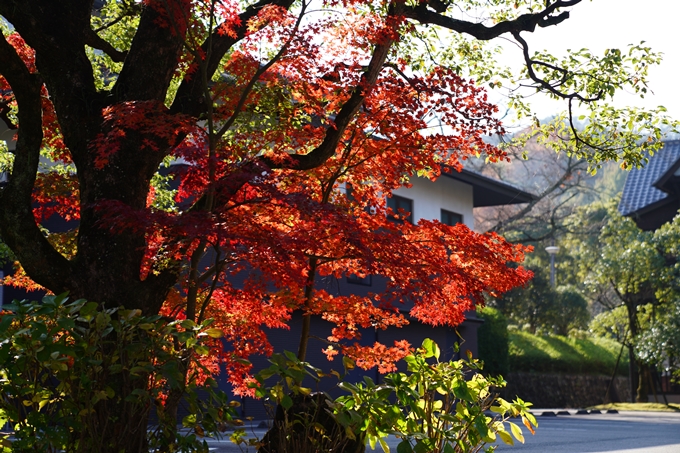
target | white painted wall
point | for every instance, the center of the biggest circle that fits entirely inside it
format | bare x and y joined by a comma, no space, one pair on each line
445,193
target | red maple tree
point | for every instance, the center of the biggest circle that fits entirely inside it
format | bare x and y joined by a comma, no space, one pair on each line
275,110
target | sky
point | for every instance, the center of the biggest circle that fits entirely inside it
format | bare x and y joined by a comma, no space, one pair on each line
601,24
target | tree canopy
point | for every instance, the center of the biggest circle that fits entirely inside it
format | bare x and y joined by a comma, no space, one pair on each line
263,137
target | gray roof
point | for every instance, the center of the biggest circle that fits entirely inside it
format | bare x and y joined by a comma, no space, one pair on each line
490,192
642,189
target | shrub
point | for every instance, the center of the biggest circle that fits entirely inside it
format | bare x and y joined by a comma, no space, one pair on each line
557,354
493,341
440,407
61,361
433,407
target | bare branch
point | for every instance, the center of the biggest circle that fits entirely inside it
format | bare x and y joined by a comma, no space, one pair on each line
95,41
17,224
525,22
4,110
152,59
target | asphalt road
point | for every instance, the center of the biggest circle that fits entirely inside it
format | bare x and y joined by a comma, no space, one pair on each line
629,432
626,432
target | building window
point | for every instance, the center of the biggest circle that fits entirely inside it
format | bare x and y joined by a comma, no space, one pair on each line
356,280
396,203
451,218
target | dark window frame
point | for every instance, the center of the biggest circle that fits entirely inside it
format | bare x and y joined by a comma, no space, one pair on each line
396,202
446,217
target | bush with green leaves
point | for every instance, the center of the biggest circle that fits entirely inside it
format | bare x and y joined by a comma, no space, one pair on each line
60,361
433,407
557,354
439,406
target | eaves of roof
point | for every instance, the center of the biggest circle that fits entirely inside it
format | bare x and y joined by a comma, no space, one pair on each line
646,188
490,192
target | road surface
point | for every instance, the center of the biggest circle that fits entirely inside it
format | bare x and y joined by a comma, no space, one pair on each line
626,432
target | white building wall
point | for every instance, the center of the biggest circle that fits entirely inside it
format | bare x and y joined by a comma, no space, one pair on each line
445,193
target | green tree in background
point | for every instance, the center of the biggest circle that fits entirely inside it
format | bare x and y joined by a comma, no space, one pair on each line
541,307
632,275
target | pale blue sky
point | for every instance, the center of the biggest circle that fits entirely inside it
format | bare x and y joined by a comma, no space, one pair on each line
601,24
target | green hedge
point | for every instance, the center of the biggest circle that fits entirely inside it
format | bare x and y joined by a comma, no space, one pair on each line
493,341
557,354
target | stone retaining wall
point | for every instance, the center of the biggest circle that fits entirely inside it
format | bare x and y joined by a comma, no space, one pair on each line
563,390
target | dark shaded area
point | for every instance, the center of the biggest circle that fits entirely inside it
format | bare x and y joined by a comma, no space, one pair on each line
563,390
307,426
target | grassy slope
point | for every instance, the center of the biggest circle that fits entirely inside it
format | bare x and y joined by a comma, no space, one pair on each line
556,354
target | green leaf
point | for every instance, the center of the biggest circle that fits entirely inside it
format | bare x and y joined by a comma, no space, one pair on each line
431,348
461,390
89,309
214,333
5,322
516,431
202,350
189,421
348,363
421,447
188,324
286,402
404,447
506,437
291,356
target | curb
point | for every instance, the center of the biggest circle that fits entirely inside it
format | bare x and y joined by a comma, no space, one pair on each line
564,412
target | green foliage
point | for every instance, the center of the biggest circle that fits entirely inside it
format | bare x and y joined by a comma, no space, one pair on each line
303,420
60,362
558,354
612,324
604,133
572,312
634,274
493,341
658,342
541,307
439,406
433,407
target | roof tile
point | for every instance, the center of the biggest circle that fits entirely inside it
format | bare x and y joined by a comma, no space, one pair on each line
639,191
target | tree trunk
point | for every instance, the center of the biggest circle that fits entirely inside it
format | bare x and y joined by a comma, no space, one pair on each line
116,426
642,393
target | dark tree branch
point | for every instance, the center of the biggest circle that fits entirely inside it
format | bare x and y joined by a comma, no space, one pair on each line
95,41
530,63
4,110
17,224
131,9
227,186
190,98
153,56
327,148
552,189
525,22
261,70
61,60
